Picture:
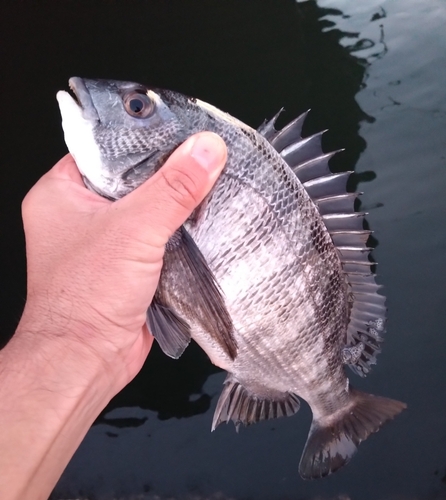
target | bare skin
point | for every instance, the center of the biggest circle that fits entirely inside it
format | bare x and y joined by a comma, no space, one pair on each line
93,267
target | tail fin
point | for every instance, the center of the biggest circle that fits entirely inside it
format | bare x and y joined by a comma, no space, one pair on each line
330,446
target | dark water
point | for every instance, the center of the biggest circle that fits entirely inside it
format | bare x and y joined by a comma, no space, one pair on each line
374,73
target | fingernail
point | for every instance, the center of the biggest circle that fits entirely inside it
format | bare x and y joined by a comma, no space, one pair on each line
209,151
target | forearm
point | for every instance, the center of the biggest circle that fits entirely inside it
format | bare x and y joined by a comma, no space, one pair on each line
51,393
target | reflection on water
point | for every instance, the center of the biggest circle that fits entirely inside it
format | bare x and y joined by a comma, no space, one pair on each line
193,496
337,62
171,388
221,496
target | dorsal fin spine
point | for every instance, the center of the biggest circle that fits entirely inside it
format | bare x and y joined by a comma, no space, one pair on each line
328,191
299,144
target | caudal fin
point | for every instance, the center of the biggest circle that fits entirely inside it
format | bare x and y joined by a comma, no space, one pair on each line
331,445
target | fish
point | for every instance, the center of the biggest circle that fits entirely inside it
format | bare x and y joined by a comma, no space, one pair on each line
270,275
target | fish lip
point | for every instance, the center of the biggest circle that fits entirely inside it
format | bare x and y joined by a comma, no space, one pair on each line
83,98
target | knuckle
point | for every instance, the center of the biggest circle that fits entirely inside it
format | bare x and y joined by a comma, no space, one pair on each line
183,187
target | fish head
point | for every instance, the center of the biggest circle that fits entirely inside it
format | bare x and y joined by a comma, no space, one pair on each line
119,133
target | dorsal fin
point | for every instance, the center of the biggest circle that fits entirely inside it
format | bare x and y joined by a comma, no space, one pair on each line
346,227
267,128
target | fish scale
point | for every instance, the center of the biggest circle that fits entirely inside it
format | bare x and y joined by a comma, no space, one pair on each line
270,275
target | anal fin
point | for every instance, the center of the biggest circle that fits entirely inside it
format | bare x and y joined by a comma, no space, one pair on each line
244,406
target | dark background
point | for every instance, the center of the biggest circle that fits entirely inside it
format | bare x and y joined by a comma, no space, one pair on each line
374,74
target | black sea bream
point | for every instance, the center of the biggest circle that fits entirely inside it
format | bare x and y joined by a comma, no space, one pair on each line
270,275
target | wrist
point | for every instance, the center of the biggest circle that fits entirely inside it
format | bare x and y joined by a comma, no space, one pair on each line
66,343
60,348
54,393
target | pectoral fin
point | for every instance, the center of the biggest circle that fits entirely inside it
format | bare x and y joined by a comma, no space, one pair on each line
188,289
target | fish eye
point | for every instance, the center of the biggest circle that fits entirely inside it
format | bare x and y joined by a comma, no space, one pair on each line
138,104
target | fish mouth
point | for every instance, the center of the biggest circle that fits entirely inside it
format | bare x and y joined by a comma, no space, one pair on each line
81,96
72,86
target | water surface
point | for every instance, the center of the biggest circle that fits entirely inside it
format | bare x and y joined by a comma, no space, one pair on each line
374,74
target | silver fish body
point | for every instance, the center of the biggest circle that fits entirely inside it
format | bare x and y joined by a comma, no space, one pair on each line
270,276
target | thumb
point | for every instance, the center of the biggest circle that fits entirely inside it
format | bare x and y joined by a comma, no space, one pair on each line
167,199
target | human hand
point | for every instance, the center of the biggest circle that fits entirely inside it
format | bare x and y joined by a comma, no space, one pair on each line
94,265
